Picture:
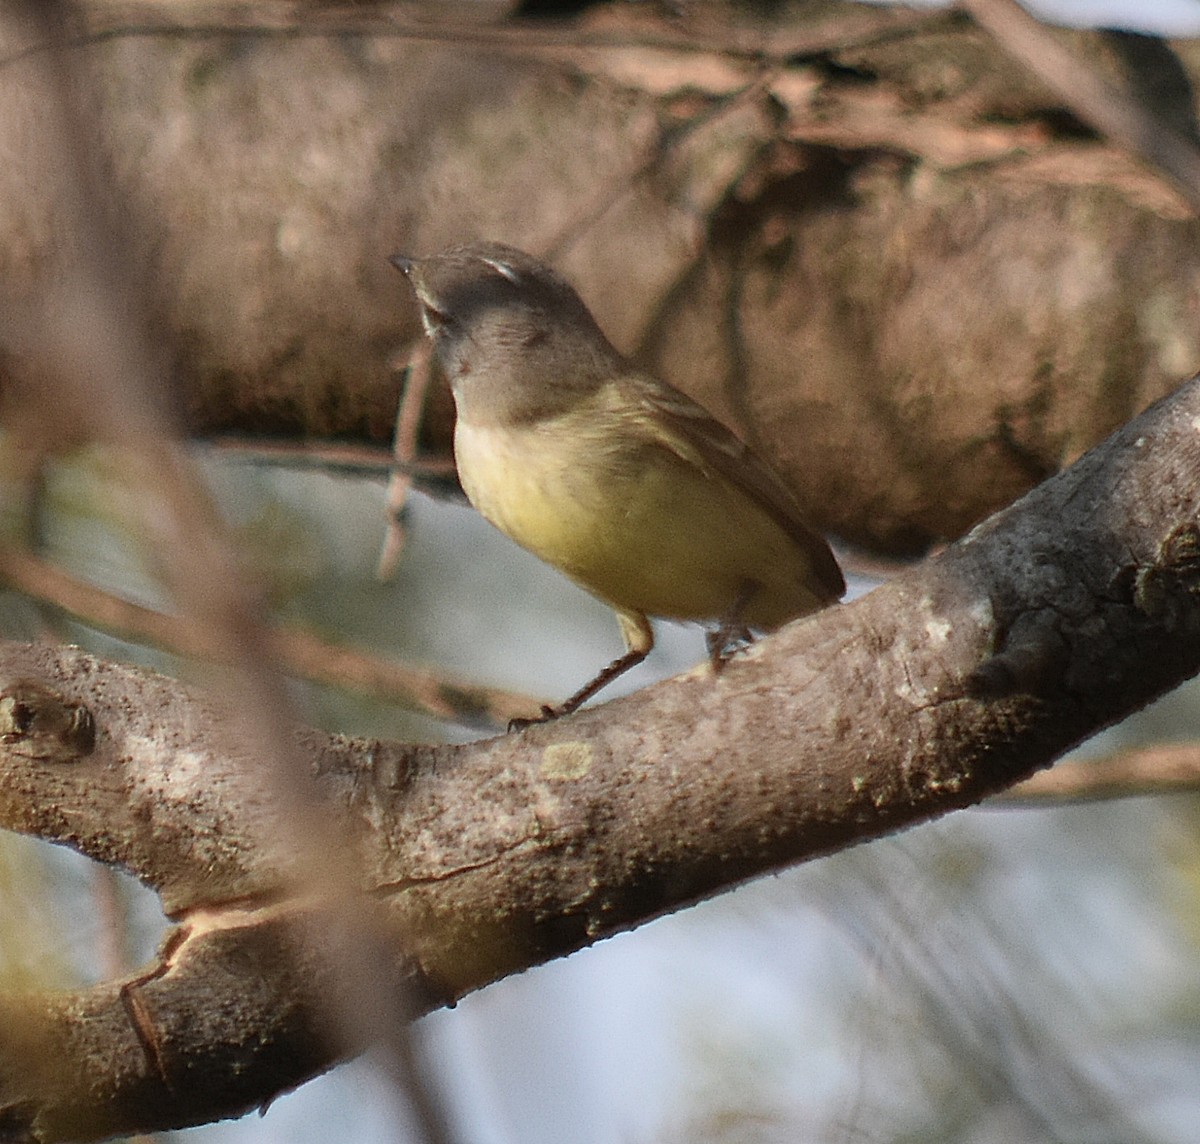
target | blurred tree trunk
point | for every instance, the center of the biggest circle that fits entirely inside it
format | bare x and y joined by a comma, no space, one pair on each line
863,236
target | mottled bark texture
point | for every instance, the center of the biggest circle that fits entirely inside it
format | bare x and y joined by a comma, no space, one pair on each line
1051,620
865,237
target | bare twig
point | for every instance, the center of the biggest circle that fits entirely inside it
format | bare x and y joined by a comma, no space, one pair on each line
1167,768
404,449
347,458
622,185
475,26
1112,112
297,652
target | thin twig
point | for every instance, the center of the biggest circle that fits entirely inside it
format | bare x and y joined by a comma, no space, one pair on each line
624,184
344,457
1114,113
553,41
297,652
1168,768
404,448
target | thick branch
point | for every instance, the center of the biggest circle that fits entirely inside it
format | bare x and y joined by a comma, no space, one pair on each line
1055,618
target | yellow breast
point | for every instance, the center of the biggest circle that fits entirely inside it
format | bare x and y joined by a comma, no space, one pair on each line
631,521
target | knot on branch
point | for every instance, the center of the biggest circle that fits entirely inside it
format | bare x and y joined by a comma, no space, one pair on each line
38,722
1168,590
1031,654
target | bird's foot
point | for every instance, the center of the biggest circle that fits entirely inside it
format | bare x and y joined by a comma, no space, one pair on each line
548,715
725,641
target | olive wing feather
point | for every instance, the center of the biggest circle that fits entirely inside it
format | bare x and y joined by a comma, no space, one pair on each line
694,435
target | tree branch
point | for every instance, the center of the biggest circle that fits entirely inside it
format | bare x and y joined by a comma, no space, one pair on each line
1164,768
295,651
1055,618
1115,113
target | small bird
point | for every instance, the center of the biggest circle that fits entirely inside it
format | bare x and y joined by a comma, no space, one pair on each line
617,479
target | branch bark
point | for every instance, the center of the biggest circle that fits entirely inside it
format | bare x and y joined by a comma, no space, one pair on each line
1055,618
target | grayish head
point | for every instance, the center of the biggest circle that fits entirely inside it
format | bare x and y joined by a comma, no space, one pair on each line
507,327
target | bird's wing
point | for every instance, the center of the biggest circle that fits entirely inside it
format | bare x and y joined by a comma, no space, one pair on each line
673,420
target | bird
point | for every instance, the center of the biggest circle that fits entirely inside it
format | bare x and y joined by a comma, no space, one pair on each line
616,478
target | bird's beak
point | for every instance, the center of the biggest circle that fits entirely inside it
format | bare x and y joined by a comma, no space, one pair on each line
431,317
